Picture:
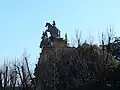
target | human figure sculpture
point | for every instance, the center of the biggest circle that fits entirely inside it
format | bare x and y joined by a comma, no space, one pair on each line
44,35
45,40
54,23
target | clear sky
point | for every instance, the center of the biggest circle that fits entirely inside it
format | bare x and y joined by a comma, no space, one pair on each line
22,22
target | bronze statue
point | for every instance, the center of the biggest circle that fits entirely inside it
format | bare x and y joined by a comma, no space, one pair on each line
53,23
45,40
54,32
48,25
44,35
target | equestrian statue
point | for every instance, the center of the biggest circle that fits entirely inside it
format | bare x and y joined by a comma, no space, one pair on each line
54,32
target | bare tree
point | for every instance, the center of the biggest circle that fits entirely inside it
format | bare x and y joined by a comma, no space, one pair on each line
77,41
78,35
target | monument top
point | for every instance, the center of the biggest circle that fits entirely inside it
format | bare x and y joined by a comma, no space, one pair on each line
52,29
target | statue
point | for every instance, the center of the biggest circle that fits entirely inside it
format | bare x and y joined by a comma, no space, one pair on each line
53,23
45,40
54,32
44,35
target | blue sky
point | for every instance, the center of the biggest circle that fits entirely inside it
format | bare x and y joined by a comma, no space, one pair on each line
22,22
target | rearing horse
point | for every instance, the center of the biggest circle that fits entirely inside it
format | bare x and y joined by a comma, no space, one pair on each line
48,25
